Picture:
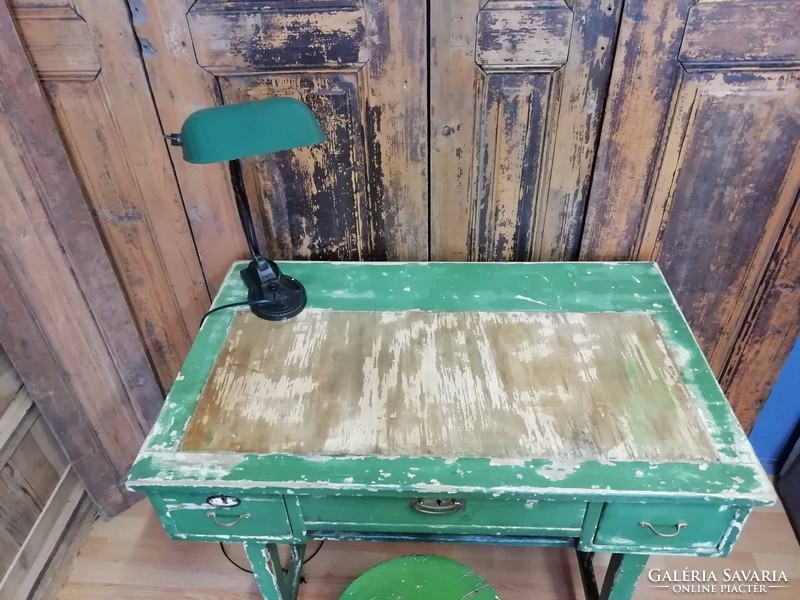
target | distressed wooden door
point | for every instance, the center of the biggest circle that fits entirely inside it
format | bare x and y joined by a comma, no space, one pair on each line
86,57
699,169
359,64
79,262
517,96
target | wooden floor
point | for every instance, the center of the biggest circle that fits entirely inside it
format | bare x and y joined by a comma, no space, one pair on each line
130,558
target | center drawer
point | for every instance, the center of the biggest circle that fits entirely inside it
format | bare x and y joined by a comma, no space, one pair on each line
444,515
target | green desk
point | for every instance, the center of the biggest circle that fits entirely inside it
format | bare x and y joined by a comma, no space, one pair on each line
551,404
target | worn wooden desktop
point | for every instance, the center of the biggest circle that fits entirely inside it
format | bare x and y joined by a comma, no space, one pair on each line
553,404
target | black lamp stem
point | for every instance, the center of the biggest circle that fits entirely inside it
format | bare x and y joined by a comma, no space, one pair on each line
243,206
272,295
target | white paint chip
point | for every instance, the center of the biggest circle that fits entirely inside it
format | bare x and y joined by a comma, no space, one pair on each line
520,297
558,471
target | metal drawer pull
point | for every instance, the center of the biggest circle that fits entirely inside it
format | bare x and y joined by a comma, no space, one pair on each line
213,516
678,527
438,506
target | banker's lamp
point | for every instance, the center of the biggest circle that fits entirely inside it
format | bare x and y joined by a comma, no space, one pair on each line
235,131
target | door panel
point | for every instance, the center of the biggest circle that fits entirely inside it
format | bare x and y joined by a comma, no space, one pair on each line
524,36
99,94
510,142
58,41
730,146
770,327
228,39
311,198
361,67
517,92
766,33
699,168
66,323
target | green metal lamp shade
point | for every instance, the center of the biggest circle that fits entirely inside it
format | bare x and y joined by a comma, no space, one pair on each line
234,131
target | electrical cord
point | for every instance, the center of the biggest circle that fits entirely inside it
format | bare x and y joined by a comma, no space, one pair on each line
232,305
313,554
230,560
241,568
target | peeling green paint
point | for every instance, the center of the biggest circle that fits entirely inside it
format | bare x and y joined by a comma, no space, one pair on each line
589,287
728,487
667,481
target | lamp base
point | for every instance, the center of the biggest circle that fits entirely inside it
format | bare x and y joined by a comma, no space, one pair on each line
276,297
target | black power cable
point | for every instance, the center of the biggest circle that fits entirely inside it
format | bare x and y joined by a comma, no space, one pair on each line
241,568
230,560
313,554
224,306
235,305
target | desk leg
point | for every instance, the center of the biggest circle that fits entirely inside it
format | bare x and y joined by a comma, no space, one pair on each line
623,573
271,579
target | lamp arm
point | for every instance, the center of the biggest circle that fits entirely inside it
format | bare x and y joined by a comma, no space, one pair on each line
271,294
243,206
265,269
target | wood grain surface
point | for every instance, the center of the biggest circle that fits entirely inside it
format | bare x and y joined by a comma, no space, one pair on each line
227,40
59,42
34,500
733,143
766,33
65,321
180,86
531,36
26,482
644,75
362,69
517,95
112,133
499,385
771,327
10,382
698,168
30,562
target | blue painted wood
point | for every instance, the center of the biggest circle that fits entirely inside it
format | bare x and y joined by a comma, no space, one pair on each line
778,424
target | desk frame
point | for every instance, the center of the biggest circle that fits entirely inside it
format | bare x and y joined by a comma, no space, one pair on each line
735,483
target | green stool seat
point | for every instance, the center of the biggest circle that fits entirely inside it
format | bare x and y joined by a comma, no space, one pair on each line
420,577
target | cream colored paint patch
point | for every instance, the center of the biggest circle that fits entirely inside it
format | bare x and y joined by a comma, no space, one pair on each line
495,385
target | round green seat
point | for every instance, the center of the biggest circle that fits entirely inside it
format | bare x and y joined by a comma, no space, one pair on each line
420,577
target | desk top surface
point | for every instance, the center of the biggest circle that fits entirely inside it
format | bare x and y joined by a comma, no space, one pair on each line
564,375
417,383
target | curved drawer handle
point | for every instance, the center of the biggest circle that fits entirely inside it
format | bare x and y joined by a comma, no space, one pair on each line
678,527
213,516
438,506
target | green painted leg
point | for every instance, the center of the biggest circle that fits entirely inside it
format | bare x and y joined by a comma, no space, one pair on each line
623,573
270,577
296,570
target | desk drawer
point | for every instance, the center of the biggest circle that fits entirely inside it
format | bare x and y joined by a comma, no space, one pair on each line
191,516
671,526
478,516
